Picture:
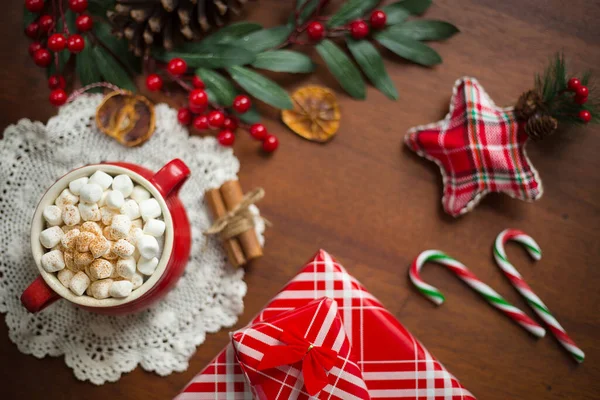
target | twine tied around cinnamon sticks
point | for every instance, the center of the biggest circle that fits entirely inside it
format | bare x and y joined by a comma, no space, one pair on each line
239,219
234,223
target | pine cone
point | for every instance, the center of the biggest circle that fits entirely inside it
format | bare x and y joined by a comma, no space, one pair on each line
162,22
539,126
527,105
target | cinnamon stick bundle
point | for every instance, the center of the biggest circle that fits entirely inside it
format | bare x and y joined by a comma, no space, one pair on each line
235,255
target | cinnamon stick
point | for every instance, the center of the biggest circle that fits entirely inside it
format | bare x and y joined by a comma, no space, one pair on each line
234,251
232,195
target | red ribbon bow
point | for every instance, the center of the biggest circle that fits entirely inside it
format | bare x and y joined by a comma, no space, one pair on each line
316,360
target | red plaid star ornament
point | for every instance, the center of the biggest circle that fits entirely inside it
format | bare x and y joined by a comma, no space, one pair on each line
479,147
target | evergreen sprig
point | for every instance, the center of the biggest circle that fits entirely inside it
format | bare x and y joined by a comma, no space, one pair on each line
558,101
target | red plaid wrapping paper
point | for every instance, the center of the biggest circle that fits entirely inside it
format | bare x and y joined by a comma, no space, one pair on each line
317,322
393,363
479,148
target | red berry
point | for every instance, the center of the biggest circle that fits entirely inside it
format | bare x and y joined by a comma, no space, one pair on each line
258,131
78,6
196,109
216,119
46,22
226,138
184,116
34,47
154,82
58,97
35,6
316,31
201,122
84,23
359,29
230,123
198,98
177,67
42,58
585,116
378,19
582,91
242,103
574,84
197,82
75,43
56,82
32,30
57,42
580,100
270,144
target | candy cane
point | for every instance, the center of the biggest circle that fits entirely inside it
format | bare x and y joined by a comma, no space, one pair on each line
534,301
470,279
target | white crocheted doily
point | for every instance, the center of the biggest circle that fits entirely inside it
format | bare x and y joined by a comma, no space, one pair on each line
100,348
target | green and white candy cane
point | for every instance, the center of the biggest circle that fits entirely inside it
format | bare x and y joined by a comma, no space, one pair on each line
519,283
470,279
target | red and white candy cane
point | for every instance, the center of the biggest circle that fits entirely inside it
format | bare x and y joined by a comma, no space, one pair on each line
534,301
470,279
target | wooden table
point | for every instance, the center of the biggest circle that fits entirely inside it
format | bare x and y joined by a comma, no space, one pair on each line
375,205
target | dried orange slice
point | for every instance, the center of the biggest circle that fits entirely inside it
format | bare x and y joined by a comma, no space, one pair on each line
316,114
126,117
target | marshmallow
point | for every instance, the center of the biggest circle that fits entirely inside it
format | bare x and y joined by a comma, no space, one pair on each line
69,262
65,198
101,178
126,267
134,235
100,269
154,227
123,184
53,261
81,260
123,248
102,201
71,215
83,241
120,289
99,246
120,226
65,276
107,233
51,237
140,194
147,266
137,223
76,185
69,239
150,209
93,227
52,215
79,283
111,254
131,209
115,199
107,215
91,193
137,280
89,212
148,246
100,289
66,228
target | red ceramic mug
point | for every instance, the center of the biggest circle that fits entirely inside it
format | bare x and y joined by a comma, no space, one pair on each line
164,187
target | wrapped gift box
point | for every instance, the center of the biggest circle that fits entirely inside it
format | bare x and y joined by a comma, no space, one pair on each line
394,364
300,353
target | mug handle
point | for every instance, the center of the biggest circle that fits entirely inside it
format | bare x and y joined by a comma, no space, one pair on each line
171,177
38,295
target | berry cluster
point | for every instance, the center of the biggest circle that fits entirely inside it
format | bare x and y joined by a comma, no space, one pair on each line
581,97
203,115
47,38
359,29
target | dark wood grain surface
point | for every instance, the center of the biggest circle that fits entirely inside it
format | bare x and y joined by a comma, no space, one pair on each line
374,205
